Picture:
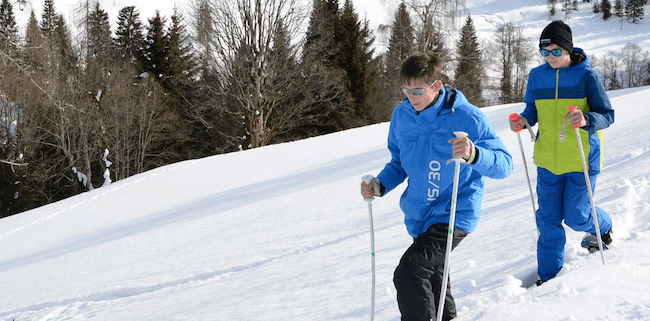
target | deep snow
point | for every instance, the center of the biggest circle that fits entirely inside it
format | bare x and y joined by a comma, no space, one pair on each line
281,232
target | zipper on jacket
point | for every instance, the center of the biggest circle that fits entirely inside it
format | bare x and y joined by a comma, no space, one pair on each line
557,95
557,82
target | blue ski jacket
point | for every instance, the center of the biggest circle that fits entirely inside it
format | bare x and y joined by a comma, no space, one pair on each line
419,147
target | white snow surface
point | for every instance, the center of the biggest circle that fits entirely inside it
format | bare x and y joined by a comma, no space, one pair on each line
281,232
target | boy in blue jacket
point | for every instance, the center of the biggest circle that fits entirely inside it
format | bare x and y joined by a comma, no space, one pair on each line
420,141
566,79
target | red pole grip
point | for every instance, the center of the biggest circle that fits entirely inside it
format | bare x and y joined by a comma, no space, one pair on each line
514,117
572,108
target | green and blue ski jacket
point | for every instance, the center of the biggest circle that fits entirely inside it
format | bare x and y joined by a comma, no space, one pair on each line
549,94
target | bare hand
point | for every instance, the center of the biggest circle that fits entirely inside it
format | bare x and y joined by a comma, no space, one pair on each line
368,190
462,147
577,118
518,124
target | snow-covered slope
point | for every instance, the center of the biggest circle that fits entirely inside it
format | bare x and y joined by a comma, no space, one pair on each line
281,233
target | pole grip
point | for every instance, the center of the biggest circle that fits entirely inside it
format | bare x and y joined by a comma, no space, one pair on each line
572,108
368,180
514,117
458,134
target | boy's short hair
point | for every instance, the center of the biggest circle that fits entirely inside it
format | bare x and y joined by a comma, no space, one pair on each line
421,66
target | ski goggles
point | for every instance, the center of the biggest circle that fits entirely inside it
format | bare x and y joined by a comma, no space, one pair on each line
417,91
557,52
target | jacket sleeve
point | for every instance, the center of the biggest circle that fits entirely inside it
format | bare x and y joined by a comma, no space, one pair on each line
601,113
494,159
530,112
393,173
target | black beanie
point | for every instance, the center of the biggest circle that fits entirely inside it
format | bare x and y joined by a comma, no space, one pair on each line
559,33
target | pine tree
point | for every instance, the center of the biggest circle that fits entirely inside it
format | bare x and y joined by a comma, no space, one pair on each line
212,127
606,8
596,7
8,29
634,10
355,54
320,65
552,10
155,48
129,37
469,71
619,10
9,114
181,65
282,53
100,43
52,45
48,19
321,43
568,6
400,47
64,45
34,51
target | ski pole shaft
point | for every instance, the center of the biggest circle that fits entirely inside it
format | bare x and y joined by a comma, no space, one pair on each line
513,117
372,262
591,194
368,180
450,230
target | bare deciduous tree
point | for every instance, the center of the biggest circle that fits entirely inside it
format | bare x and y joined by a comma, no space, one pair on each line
242,42
634,59
515,54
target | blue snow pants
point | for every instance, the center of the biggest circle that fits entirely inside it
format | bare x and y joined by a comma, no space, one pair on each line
563,198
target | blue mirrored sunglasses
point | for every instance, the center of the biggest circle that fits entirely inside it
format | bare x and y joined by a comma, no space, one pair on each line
555,52
417,91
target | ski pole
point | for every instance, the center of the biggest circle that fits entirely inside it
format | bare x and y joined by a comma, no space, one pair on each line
591,194
514,117
368,180
450,229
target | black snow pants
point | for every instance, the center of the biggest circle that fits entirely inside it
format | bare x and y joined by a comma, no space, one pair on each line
418,277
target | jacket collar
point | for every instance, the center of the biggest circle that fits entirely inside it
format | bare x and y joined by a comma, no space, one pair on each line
436,107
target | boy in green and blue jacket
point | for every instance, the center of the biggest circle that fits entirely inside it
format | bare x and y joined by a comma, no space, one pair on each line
566,79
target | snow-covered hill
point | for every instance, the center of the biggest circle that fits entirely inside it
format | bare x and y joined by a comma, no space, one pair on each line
281,232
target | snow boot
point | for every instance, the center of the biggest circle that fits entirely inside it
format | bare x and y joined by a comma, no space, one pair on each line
590,241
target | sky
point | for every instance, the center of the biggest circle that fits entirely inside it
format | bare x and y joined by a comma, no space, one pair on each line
281,233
